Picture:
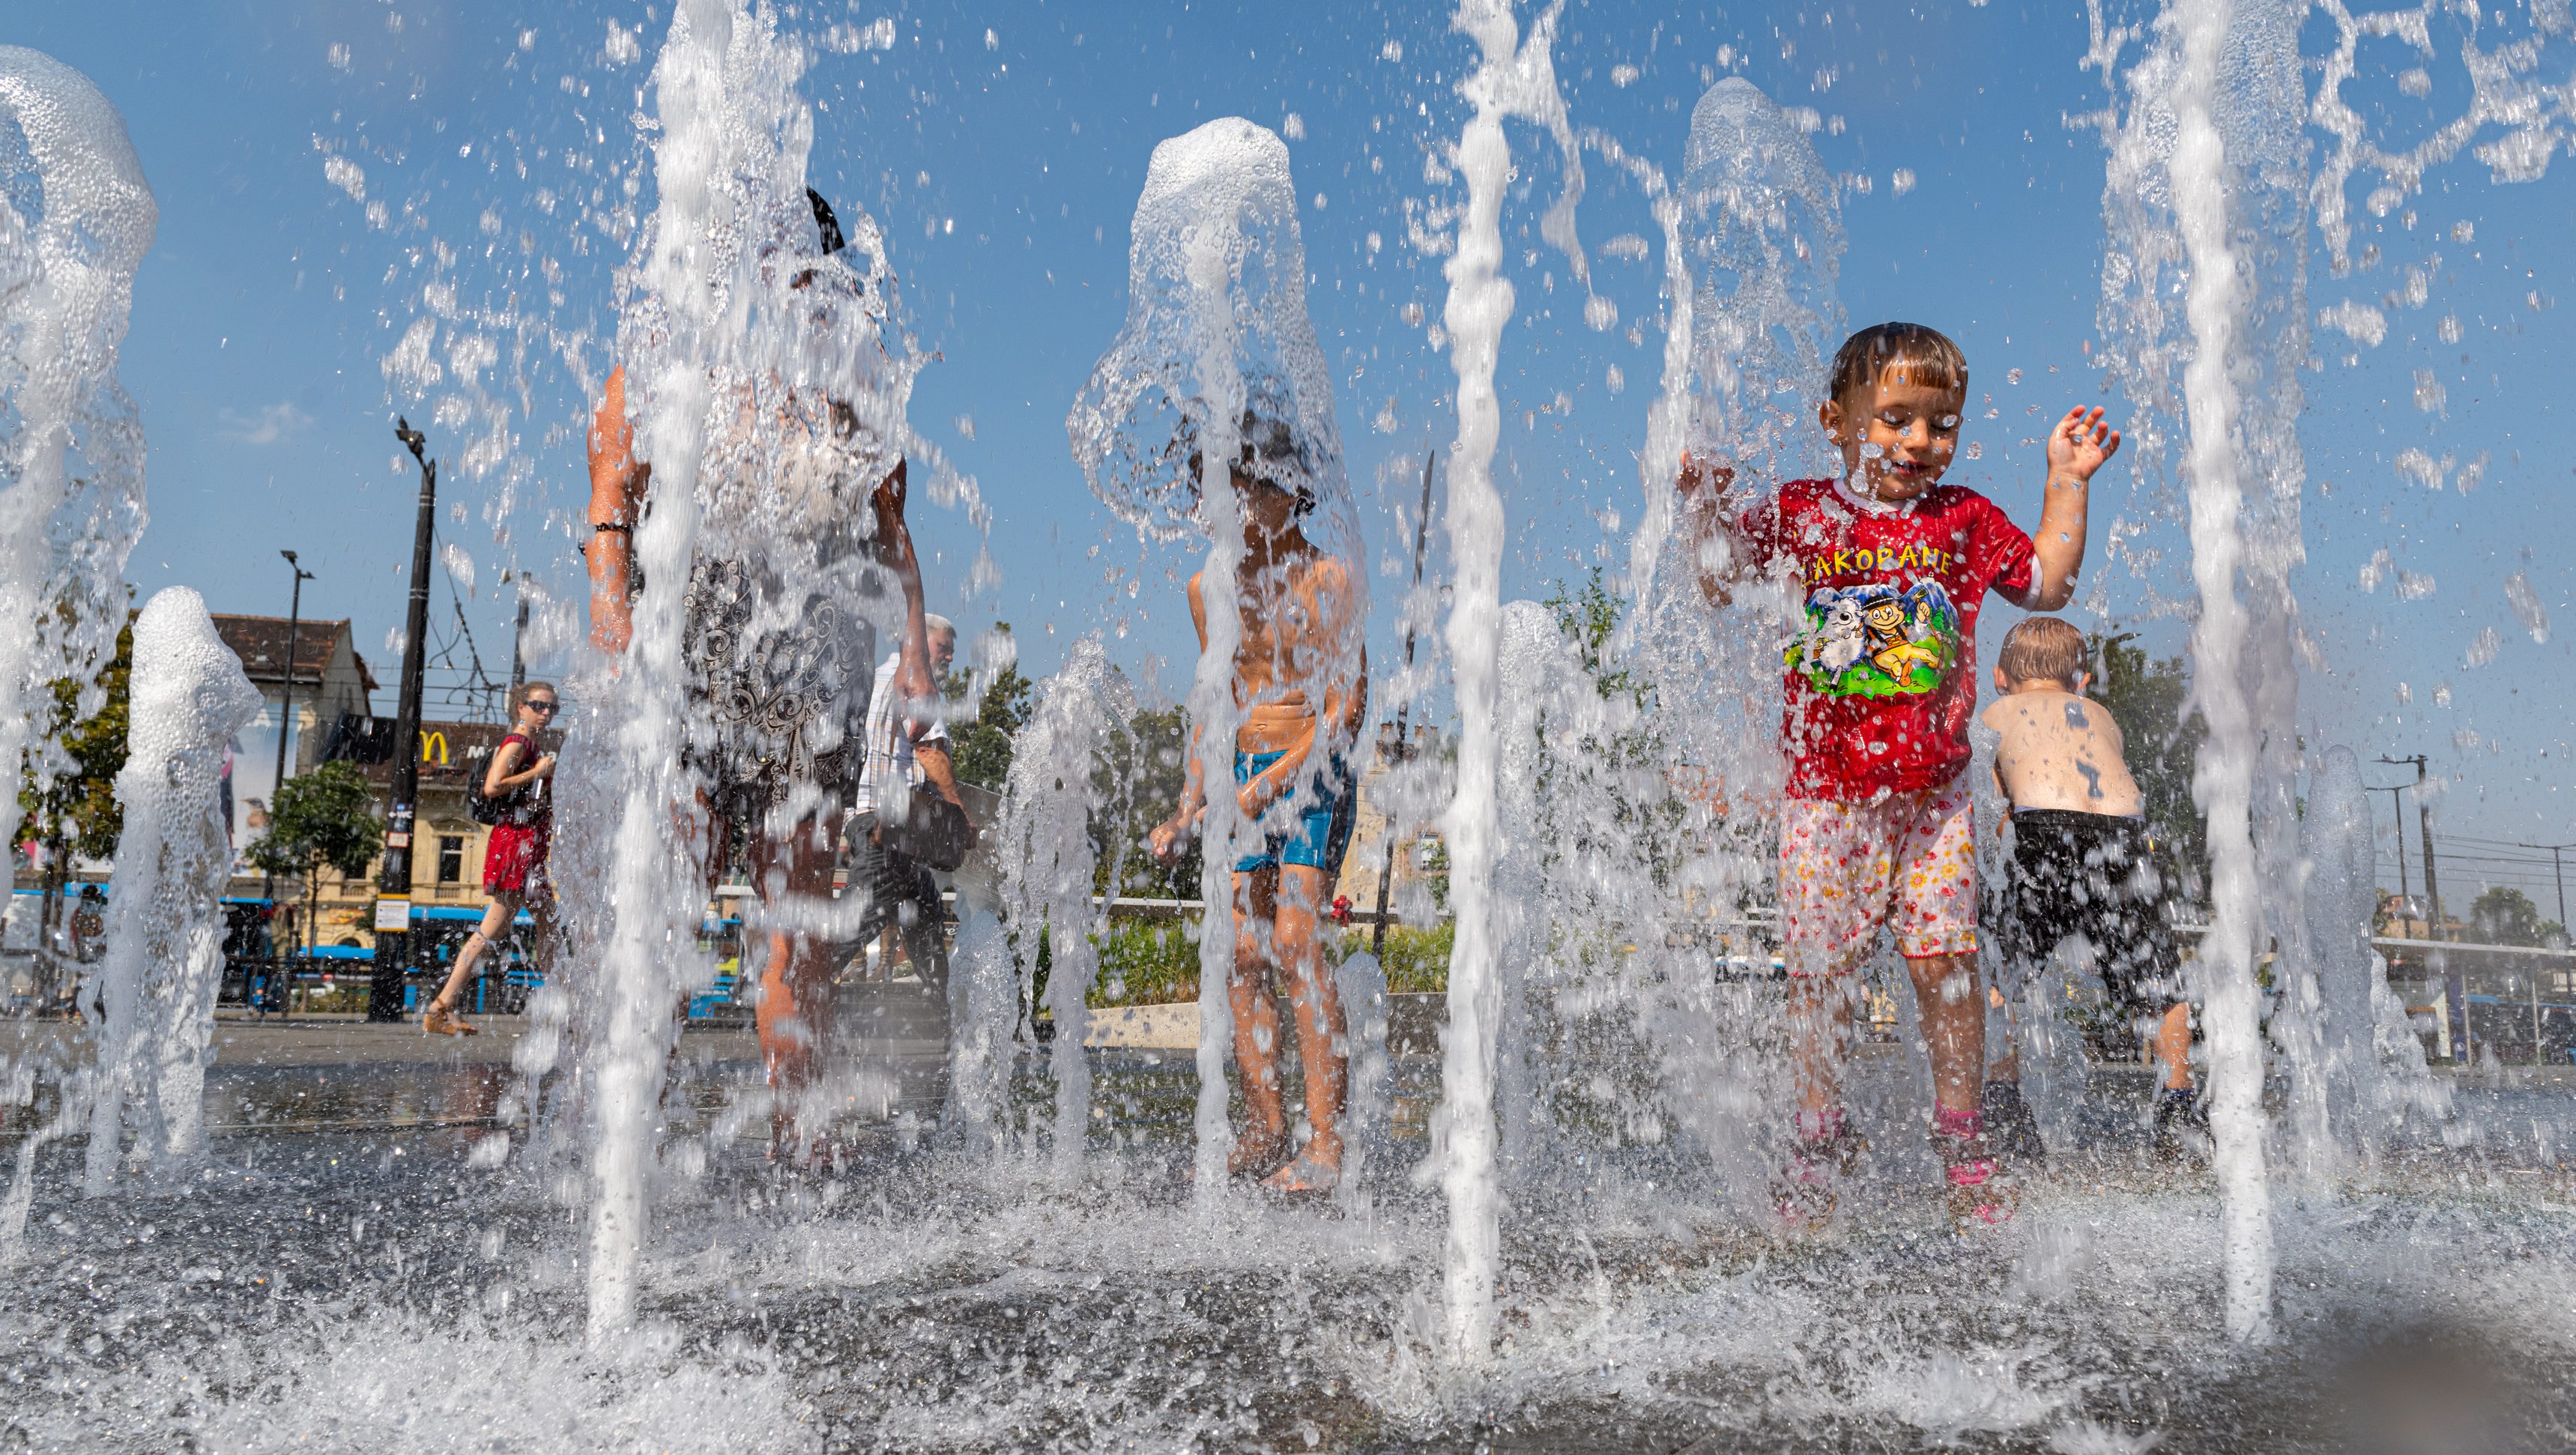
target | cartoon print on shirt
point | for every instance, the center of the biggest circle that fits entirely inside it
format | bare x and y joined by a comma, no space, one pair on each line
1874,640
1835,639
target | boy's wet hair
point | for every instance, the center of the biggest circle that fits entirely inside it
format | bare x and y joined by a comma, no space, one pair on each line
1926,354
1269,455
2042,649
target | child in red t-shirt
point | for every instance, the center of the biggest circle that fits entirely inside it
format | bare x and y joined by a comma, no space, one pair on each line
1891,566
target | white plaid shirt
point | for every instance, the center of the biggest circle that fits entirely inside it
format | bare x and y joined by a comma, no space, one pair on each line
890,771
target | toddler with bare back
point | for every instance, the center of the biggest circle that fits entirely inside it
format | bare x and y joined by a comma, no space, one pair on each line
2084,863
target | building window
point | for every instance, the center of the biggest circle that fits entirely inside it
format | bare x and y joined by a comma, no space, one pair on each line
451,858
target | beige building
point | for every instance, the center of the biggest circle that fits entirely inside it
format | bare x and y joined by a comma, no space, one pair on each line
1365,863
329,679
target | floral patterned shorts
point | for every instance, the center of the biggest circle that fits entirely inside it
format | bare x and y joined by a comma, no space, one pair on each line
1907,861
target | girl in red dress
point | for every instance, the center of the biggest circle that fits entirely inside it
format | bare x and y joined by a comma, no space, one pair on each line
514,858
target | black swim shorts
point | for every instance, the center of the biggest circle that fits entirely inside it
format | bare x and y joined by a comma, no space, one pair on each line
2104,878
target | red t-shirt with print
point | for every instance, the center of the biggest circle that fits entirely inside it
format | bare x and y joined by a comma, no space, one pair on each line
1881,676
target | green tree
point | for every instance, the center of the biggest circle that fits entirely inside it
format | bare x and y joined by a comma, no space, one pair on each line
2506,916
1629,813
1588,615
1137,784
322,818
982,749
78,810
2147,696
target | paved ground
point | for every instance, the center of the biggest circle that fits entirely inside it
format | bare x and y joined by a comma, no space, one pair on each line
242,1039
349,1040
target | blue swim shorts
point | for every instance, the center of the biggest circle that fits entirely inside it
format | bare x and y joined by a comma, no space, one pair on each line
1320,831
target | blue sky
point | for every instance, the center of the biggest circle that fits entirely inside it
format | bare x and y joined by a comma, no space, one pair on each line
1002,146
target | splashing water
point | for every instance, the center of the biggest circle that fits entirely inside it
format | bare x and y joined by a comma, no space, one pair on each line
75,220
2370,1076
155,991
768,403
1759,236
1762,222
1753,245
1515,77
2197,154
1047,860
1545,701
1217,332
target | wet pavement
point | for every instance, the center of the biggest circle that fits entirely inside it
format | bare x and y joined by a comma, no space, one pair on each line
377,1254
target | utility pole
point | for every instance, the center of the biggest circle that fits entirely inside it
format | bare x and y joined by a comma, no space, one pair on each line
2397,814
393,885
2424,820
1403,745
2454,984
285,725
2433,882
2558,866
2558,870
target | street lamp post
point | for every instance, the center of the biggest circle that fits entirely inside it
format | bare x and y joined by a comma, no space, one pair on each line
519,645
285,724
393,885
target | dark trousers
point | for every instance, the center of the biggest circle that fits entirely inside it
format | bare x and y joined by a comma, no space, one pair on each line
902,893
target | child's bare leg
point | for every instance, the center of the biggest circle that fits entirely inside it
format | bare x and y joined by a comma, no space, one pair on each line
1320,1047
1256,1022
1954,1028
785,1050
795,1016
2006,1065
1820,1027
496,918
2173,1047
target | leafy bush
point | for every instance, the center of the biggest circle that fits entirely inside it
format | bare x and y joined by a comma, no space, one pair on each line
1157,962
1147,962
1416,959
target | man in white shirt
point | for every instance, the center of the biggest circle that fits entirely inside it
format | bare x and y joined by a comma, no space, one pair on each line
892,755
907,816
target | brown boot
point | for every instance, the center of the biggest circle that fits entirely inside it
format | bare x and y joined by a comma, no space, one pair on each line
439,1021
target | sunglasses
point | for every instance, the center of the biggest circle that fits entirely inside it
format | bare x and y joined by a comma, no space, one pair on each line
540,704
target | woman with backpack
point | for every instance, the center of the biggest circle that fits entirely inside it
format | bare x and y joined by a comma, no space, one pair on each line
519,805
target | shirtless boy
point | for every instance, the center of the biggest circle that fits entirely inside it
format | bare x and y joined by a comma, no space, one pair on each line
1877,829
2083,861
1302,685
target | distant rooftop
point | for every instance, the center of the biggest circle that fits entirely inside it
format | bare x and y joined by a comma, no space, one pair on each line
260,642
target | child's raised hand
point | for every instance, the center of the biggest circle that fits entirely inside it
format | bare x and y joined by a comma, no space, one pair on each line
2080,445
1702,481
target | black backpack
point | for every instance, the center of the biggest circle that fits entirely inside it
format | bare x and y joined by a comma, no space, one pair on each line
484,808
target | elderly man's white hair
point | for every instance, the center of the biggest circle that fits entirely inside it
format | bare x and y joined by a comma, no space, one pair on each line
939,626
